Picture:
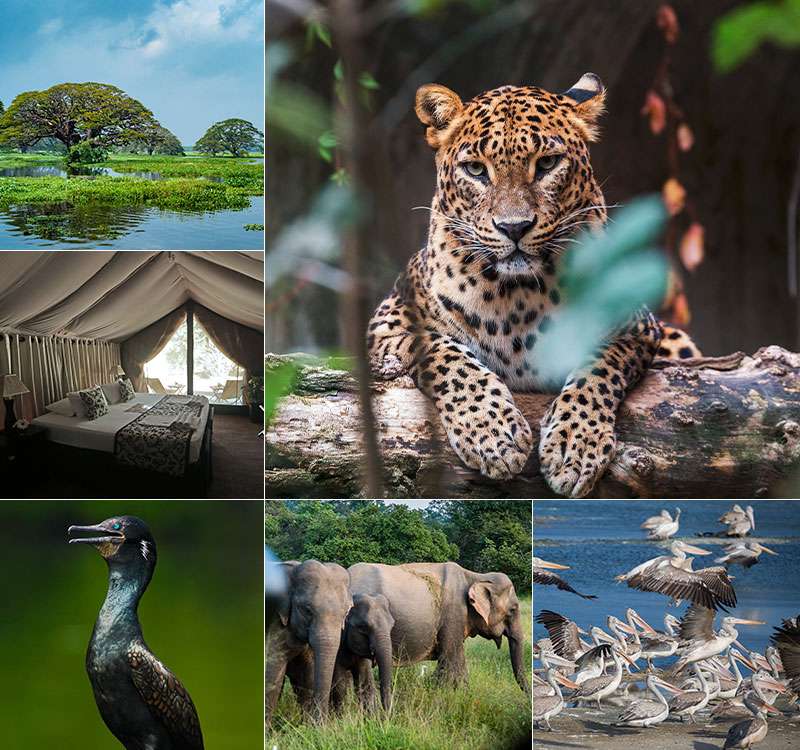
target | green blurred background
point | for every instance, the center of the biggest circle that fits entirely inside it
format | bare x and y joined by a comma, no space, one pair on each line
202,615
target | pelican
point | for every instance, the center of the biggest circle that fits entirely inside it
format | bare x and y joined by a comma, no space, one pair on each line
543,689
541,575
653,521
689,702
732,678
698,639
745,554
740,524
787,640
600,687
734,514
655,644
673,575
564,635
667,528
749,732
545,708
644,712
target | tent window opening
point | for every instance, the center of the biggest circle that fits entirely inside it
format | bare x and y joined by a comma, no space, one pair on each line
211,373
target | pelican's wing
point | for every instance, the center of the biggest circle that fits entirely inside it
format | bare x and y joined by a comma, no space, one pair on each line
697,624
709,589
548,578
166,698
787,640
563,633
593,654
738,732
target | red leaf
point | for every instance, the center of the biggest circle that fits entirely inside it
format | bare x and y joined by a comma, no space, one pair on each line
685,137
692,249
667,21
674,196
656,110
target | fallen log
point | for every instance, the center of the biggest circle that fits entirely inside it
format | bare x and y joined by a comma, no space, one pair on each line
703,428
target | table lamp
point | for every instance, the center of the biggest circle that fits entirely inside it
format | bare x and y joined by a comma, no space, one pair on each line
10,386
117,372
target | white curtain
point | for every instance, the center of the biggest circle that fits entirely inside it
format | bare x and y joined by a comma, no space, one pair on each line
52,366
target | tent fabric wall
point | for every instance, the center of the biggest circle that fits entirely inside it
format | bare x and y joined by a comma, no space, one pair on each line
243,345
52,366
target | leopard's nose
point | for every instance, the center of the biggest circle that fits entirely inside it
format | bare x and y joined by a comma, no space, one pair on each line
514,230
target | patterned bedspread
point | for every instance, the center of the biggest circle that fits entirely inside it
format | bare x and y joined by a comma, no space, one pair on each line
161,447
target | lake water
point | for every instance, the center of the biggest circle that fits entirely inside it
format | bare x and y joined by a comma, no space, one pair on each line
83,172
98,225
601,539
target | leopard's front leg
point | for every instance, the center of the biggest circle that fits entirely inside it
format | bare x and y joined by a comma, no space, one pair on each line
578,437
483,424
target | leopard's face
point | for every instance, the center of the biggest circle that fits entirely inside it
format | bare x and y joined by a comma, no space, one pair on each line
514,179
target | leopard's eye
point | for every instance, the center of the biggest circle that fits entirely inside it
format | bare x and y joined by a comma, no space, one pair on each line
475,168
546,163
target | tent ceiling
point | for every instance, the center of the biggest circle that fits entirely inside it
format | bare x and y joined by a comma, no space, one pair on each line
112,295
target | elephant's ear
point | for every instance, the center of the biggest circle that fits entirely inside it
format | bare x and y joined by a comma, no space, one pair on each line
285,604
480,597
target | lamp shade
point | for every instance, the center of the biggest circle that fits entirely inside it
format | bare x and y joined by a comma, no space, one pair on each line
117,371
11,385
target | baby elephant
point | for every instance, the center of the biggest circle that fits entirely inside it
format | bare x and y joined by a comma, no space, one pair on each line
366,641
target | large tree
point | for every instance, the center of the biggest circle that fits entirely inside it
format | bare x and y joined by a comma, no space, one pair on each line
156,139
73,113
235,136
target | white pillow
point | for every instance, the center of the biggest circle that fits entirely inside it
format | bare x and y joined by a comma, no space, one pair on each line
112,392
63,407
78,406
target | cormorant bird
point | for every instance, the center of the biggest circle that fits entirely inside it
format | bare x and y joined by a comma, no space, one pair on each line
142,703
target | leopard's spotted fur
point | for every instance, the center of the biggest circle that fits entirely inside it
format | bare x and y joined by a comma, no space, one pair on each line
514,181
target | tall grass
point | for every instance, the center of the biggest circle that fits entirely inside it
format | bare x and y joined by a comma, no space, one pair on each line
489,713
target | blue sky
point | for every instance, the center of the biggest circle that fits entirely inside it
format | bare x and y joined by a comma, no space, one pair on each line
192,62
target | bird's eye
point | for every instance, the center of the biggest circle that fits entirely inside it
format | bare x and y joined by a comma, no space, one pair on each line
546,163
475,168
117,526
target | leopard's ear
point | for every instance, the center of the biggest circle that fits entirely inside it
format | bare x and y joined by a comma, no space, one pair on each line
588,97
440,109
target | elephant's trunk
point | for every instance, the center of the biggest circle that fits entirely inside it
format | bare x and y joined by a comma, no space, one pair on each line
324,641
382,648
516,650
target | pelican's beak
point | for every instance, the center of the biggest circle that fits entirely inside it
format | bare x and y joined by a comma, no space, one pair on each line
582,631
742,659
692,550
767,550
559,661
625,628
552,565
738,621
642,623
565,681
772,684
667,686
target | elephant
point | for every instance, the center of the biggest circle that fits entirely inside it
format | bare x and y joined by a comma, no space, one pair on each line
302,643
436,606
366,642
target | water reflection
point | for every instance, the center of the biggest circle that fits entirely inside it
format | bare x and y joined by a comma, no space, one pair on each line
98,224
52,171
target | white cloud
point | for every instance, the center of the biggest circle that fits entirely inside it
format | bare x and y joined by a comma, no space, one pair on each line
53,26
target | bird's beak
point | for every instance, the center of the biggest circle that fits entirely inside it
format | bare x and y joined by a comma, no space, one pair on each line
692,550
559,661
625,628
552,565
106,541
741,658
565,681
642,623
767,550
739,621
668,686
772,684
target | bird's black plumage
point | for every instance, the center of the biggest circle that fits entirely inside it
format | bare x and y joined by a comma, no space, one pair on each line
142,703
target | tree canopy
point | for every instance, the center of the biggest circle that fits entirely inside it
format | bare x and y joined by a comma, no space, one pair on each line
72,113
156,139
235,136
480,536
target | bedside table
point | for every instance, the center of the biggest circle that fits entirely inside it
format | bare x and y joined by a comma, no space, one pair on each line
22,455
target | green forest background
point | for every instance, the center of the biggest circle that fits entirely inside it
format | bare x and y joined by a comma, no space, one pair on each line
480,536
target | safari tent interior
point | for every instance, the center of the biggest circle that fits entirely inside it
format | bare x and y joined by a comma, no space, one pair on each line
131,374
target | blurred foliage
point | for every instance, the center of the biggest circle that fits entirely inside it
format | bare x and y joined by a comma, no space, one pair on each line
481,536
278,382
606,278
741,31
201,615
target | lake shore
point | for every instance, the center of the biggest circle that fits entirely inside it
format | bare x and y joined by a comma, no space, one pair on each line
591,728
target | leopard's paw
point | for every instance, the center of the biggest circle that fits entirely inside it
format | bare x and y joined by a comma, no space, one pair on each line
574,454
494,441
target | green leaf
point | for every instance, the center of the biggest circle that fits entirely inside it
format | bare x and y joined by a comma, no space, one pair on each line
278,382
366,81
338,71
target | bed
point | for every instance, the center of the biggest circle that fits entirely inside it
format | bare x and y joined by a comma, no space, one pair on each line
91,448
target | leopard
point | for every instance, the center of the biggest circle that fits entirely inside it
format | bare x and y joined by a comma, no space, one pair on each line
514,186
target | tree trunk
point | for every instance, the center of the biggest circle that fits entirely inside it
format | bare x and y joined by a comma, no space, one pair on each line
710,427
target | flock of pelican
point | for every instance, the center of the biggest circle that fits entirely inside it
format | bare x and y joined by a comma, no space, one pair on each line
704,671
